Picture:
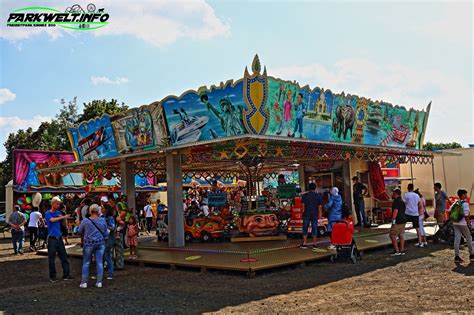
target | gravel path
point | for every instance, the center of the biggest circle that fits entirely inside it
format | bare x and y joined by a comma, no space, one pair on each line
424,280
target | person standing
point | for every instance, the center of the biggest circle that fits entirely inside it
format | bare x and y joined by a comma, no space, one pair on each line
421,217
125,213
85,209
440,203
17,222
94,232
35,220
359,191
119,241
132,236
462,227
149,215
110,242
122,206
55,241
413,205
311,203
281,179
205,208
397,230
64,225
334,207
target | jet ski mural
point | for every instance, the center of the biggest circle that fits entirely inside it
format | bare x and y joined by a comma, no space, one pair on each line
188,129
205,114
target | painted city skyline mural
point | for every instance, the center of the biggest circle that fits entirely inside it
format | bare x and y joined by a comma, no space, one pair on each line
256,104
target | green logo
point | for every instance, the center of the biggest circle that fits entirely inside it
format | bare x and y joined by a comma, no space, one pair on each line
74,18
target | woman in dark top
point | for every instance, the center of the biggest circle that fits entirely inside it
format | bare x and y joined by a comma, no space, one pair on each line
110,242
64,228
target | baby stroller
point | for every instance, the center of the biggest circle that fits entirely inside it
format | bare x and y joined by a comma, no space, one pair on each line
42,241
162,227
342,238
445,234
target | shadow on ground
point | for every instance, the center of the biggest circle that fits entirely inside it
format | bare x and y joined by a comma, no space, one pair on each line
152,289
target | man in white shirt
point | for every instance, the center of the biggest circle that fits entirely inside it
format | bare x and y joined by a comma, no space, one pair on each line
204,208
413,206
149,215
462,227
35,218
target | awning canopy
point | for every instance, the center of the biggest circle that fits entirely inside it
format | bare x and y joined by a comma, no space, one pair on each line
234,154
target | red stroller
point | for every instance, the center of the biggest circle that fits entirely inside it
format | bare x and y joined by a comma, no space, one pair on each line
342,238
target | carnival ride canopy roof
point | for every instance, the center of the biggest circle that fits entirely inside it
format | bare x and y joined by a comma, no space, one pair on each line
235,154
255,106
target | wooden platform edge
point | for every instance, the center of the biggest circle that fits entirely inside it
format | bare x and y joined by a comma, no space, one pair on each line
258,239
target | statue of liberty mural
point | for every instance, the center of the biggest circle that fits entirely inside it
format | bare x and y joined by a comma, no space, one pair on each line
229,116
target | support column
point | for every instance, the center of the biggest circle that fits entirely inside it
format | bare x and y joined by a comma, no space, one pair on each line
9,199
302,177
346,175
127,173
175,200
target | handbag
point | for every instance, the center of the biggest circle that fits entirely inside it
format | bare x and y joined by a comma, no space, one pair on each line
104,236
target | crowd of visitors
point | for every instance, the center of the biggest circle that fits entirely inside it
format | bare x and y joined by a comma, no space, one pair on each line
412,209
107,225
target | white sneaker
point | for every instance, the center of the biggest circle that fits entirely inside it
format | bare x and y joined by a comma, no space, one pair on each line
418,244
331,247
110,278
421,245
98,285
425,243
83,286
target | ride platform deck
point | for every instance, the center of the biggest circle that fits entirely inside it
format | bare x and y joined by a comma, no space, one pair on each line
248,257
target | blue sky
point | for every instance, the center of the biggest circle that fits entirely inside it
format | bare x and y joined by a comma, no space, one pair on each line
406,53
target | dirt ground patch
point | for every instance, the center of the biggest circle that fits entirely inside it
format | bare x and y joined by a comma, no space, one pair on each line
424,280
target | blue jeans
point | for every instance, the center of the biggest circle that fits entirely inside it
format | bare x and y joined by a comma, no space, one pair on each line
17,240
314,226
299,125
88,251
360,211
109,259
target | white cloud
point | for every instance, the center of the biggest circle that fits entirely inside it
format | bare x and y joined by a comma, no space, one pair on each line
11,124
159,22
6,96
452,96
105,80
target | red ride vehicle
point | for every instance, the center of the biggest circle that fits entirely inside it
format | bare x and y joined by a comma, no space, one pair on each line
203,228
295,225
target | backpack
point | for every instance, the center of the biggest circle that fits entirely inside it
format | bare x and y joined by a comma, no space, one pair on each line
456,212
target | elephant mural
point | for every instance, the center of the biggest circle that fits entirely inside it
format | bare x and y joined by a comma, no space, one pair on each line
343,120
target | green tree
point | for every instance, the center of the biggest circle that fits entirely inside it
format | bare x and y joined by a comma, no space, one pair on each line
433,146
52,135
68,114
97,108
